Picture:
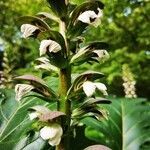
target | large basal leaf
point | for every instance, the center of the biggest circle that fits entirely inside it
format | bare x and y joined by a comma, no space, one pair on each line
14,120
127,127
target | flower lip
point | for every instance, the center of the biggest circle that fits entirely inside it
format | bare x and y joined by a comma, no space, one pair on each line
91,17
53,133
86,16
29,30
101,54
90,87
49,45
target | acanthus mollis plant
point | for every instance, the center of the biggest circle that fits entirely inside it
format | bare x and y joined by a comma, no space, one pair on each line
59,51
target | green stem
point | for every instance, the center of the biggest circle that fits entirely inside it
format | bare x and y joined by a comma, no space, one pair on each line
64,104
64,84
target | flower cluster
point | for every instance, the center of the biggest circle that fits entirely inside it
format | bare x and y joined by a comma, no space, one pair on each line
129,82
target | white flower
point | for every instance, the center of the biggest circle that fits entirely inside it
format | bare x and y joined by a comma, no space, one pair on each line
21,90
90,17
49,45
52,133
102,54
90,87
28,30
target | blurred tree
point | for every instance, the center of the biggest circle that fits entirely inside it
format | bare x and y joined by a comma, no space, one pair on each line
19,51
125,27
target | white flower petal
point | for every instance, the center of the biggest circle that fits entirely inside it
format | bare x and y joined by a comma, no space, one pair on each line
102,54
47,132
49,45
33,115
90,17
51,132
21,90
56,140
89,88
101,87
28,29
97,21
86,16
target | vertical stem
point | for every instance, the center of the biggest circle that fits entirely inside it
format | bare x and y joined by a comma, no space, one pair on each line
64,104
64,83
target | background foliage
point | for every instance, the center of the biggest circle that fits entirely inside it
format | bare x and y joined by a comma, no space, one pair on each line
125,27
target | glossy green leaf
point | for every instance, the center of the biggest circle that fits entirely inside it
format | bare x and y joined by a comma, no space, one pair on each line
127,127
14,120
45,15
